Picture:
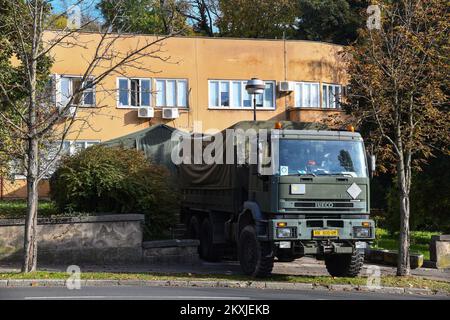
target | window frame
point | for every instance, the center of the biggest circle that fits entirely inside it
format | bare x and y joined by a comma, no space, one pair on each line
129,79
71,151
175,93
88,90
86,144
242,86
337,104
311,83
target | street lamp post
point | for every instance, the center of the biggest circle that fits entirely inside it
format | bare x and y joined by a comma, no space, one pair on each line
255,86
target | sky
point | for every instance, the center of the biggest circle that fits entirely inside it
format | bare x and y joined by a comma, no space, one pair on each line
87,6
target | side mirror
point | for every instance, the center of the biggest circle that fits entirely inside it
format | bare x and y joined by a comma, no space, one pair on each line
371,159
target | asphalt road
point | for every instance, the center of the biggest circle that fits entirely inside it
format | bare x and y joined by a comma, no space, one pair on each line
180,293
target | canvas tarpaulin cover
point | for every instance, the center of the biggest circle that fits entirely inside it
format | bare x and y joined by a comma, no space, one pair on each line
157,145
154,141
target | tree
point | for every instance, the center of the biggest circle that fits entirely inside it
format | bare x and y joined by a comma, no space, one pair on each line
335,21
33,121
398,92
145,16
202,15
256,19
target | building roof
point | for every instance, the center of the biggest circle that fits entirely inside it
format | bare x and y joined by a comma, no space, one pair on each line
202,37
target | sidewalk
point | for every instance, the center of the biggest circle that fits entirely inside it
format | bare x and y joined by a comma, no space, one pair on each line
300,267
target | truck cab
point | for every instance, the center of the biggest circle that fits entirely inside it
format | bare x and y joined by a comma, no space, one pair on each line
316,196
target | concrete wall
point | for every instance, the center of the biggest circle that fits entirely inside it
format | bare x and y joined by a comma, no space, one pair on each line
17,189
173,252
440,251
95,239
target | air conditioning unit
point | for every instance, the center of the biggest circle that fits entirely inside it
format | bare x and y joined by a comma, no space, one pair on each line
286,86
170,113
68,113
146,112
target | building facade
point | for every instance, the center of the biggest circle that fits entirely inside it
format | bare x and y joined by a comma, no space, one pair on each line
195,83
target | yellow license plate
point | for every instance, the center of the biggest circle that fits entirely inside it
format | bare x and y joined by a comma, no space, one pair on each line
325,233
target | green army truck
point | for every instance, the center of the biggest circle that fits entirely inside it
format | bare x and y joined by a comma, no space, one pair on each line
306,195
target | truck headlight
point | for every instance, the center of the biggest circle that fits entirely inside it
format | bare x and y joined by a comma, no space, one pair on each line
285,232
361,232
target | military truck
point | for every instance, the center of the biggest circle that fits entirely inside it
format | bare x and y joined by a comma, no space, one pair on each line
306,195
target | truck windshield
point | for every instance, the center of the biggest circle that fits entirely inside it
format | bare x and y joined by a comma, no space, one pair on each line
322,157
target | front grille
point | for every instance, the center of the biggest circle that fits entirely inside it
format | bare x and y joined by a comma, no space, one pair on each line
317,205
321,216
322,205
305,205
328,209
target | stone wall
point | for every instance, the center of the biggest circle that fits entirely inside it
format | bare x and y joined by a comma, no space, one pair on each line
171,252
71,240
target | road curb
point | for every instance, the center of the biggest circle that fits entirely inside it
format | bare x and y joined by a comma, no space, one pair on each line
20,283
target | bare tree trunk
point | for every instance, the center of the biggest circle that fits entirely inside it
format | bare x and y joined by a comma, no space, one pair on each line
30,241
403,266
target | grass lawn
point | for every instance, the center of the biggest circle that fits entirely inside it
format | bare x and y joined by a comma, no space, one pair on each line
17,208
419,241
388,281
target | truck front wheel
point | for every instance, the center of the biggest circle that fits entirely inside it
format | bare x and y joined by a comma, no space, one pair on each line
344,265
255,257
209,250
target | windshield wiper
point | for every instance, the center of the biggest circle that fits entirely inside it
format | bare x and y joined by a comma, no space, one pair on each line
307,174
341,174
299,175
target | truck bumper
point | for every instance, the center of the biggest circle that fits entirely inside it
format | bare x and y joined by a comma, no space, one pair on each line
320,230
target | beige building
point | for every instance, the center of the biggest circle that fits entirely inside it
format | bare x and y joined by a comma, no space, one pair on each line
203,80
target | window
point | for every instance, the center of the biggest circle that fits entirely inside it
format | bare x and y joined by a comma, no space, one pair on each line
171,93
68,148
69,87
48,154
73,147
134,92
307,95
331,96
322,157
232,94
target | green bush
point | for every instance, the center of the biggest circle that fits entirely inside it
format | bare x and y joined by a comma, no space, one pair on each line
116,180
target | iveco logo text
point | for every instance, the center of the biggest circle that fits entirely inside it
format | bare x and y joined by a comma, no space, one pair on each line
324,205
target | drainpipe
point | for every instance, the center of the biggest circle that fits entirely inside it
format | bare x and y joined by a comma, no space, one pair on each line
288,115
1,188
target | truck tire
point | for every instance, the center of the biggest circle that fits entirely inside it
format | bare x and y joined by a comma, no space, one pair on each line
344,265
208,250
256,257
193,228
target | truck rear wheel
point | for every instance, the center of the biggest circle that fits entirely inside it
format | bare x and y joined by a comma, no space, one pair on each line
209,250
344,265
256,257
